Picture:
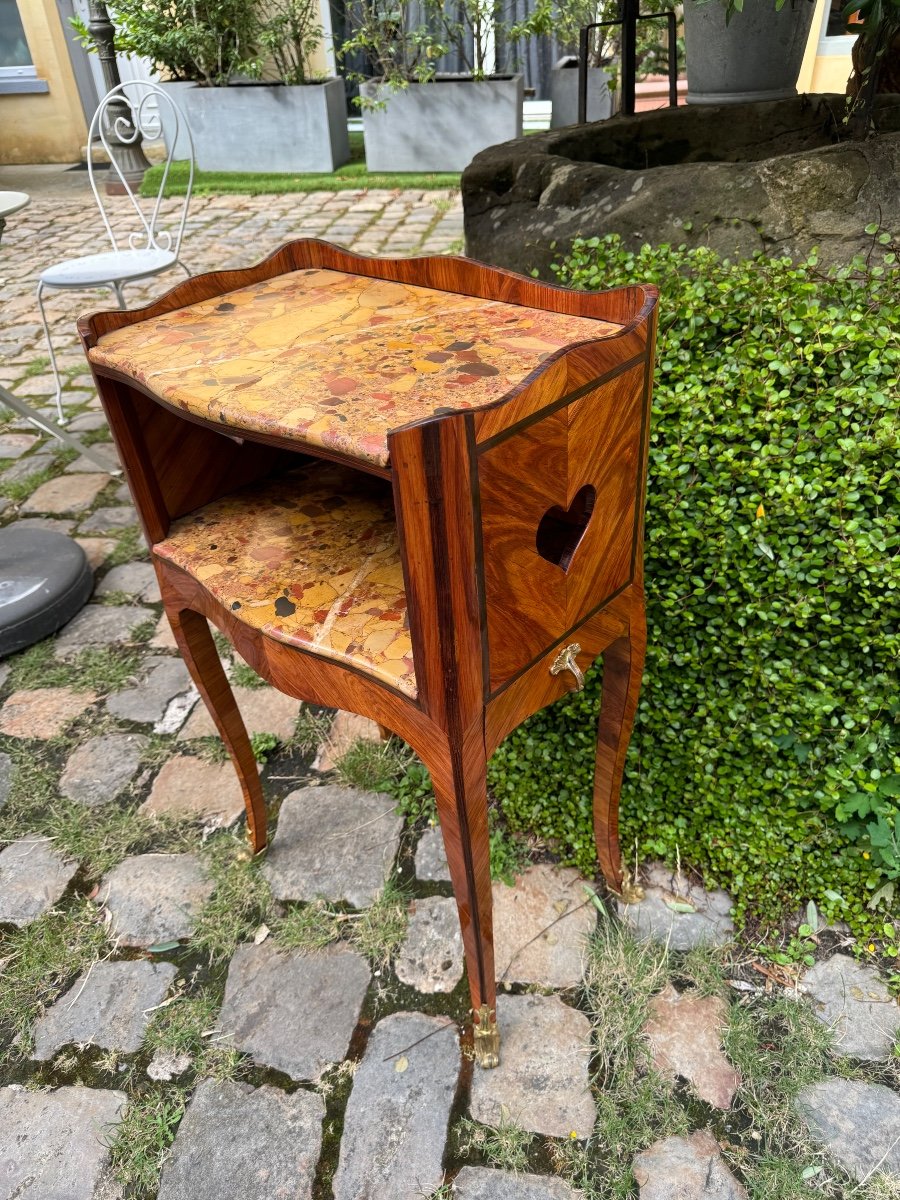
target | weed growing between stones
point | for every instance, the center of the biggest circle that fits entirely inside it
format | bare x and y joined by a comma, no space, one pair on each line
240,903
307,927
38,962
244,676
102,669
187,1025
129,548
378,930
505,1146
146,1132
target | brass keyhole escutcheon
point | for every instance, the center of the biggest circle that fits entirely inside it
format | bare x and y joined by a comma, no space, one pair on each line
566,661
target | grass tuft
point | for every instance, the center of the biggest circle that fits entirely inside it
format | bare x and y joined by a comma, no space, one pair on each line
143,1137
504,1146
240,903
188,1025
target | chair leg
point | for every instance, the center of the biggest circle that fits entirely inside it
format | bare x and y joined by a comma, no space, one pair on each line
51,351
461,792
201,657
623,666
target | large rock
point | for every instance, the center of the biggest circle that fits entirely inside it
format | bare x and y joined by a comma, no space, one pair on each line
690,1168
334,842
100,625
740,178
542,1081
431,857
188,786
857,1123
685,1034
854,1001
109,1006
541,927
396,1121
155,898
33,876
264,710
55,1145
264,1138
479,1183
293,1012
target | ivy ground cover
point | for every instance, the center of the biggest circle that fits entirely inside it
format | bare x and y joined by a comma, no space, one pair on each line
767,746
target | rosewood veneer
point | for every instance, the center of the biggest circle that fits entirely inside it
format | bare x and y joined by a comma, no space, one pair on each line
412,489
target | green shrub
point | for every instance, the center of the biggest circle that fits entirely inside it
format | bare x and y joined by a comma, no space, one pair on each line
769,702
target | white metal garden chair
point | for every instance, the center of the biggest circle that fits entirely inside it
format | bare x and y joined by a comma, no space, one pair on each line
149,248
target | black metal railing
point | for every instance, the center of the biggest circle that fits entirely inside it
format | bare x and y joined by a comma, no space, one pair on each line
629,15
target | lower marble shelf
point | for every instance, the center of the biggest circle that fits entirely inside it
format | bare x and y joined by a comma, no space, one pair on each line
310,557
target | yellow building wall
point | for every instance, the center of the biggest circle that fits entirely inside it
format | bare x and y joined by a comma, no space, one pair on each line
823,72
43,127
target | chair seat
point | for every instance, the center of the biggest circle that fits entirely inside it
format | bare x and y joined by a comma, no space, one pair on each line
113,266
310,558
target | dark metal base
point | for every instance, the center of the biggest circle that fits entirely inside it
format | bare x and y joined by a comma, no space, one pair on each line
45,579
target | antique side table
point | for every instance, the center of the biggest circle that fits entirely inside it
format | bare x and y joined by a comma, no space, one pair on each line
412,489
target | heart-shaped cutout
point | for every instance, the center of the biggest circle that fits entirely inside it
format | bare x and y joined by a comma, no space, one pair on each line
560,530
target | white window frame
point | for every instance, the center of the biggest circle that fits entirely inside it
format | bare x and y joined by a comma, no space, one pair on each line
833,45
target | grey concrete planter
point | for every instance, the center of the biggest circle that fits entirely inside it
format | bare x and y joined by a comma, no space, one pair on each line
262,127
564,94
755,56
176,89
439,126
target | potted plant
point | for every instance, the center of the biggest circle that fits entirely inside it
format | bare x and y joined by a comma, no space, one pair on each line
243,77
416,118
564,20
739,51
876,59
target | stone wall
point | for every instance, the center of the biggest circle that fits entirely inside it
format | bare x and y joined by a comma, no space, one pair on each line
738,178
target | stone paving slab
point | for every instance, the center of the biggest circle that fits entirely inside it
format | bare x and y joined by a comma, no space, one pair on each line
106,520
55,1145
96,549
541,927
14,445
542,1081
291,1011
854,1001
43,713
708,923
431,957
161,679
100,625
190,786
395,1126
431,857
66,494
155,898
857,1123
678,1168
264,710
685,1034
335,842
480,1183
259,1143
108,1006
33,877
6,776
105,451
101,768
137,579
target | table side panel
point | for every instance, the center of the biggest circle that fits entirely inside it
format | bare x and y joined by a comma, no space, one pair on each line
541,475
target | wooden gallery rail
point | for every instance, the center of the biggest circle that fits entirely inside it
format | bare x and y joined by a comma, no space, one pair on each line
412,489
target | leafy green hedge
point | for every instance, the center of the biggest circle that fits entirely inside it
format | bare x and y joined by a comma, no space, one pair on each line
767,747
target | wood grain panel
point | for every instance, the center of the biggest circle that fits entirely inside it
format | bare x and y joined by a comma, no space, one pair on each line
593,441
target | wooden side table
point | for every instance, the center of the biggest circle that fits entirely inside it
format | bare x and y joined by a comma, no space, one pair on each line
412,489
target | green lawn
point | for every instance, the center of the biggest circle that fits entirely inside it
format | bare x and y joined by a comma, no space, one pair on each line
352,175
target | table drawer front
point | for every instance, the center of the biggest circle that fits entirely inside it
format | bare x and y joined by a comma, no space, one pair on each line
560,515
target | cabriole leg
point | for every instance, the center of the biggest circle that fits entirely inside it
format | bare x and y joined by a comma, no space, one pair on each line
461,792
623,666
202,660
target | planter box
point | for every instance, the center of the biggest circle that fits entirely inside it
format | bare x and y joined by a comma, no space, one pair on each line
177,90
440,126
755,56
564,94
262,127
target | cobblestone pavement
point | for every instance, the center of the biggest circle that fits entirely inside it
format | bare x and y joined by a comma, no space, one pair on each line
177,1020
222,231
